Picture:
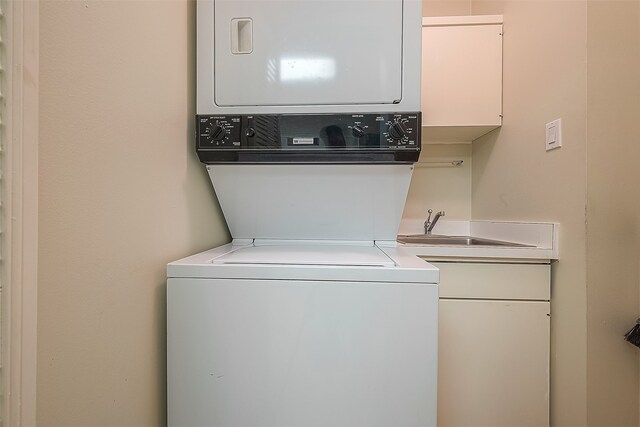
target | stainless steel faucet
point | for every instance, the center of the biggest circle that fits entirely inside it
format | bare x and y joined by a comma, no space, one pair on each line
428,224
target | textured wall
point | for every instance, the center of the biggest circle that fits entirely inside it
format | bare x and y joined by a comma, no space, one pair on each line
121,194
514,178
613,210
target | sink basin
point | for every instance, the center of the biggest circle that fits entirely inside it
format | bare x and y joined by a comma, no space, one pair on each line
425,239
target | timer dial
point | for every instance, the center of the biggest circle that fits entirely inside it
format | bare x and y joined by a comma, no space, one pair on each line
217,132
397,130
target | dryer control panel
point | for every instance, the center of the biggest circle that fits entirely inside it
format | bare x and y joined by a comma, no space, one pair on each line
309,138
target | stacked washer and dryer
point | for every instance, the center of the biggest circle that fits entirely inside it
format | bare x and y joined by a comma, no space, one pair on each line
308,122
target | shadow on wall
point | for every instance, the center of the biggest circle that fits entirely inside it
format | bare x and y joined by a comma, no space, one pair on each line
482,148
200,196
439,185
481,153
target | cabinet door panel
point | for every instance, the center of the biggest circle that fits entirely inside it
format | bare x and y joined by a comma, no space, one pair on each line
494,281
493,363
462,75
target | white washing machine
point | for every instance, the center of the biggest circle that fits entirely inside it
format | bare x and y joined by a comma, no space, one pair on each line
302,335
304,329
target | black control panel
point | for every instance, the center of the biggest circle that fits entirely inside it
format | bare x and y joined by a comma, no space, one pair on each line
309,138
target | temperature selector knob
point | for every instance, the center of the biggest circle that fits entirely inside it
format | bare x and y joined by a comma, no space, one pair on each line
357,131
217,133
397,130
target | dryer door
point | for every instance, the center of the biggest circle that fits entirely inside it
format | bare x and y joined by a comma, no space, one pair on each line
307,52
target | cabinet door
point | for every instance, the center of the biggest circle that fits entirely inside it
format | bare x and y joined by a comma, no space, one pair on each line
462,76
493,363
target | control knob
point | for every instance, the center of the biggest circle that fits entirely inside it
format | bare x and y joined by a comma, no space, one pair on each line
217,132
397,130
358,131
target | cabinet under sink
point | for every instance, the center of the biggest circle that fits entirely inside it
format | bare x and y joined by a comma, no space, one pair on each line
494,343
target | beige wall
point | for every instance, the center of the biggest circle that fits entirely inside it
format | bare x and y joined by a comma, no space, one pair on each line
438,185
446,7
580,62
121,194
514,178
613,210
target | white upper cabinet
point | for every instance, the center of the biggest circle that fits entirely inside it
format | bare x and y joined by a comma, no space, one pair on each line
461,77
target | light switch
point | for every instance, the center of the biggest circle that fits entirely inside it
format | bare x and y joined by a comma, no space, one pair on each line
554,134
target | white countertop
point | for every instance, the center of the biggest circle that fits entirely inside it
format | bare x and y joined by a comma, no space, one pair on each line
541,238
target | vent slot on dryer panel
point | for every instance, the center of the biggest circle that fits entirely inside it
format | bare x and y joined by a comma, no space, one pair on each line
267,131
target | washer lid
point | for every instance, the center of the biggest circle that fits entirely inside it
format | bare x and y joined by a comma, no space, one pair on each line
399,267
293,254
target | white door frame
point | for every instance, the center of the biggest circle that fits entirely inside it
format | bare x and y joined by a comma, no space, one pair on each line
20,251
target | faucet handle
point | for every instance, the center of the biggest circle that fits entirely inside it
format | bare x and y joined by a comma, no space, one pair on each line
427,223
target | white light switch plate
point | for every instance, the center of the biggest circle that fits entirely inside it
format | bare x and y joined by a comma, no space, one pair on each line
554,134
